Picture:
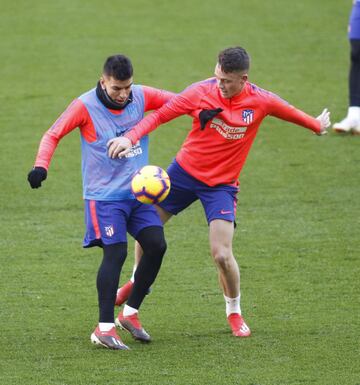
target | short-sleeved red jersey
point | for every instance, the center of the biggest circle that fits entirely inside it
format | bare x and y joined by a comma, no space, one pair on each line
217,154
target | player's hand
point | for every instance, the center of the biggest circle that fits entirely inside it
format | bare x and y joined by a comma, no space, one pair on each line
36,176
206,115
324,119
119,147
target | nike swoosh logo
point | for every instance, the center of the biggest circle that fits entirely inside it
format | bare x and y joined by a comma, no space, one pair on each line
225,212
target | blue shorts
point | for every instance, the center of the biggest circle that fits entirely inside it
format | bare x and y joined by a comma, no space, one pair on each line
354,24
219,202
108,222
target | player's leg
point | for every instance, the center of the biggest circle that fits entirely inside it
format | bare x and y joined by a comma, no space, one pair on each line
107,282
181,196
351,123
153,243
354,76
146,227
219,204
124,291
221,235
354,82
220,208
113,241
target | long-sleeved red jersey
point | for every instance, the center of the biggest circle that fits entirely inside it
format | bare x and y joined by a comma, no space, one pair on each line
217,154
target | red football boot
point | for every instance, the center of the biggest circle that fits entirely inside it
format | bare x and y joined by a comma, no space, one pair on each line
123,293
109,339
238,325
133,326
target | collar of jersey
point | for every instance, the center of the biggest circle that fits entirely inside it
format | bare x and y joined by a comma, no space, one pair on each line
238,97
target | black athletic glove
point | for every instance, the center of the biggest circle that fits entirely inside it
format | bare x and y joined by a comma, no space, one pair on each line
36,176
206,115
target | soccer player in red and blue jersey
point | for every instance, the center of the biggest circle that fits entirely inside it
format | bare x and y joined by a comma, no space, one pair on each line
110,109
227,111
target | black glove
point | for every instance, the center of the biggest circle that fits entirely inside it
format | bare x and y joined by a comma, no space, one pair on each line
36,176
206,115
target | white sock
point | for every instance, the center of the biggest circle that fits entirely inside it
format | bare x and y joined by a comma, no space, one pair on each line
232,305
354,113
128,310
106,326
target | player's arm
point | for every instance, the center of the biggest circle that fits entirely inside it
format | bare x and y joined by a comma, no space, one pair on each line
180,104
282,110
74,116
155,98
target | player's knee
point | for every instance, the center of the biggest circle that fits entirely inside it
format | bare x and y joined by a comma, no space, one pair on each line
153,241
149,266
222,259
155,247
161,246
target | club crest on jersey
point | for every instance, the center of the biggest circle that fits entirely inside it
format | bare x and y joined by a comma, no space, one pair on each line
109,230
248,116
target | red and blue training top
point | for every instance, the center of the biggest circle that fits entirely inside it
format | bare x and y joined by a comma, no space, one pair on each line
104,178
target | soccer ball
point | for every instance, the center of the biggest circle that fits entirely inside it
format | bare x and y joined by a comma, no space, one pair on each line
150,185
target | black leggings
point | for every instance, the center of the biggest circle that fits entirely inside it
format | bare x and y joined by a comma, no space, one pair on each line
153,243
107,280
354,76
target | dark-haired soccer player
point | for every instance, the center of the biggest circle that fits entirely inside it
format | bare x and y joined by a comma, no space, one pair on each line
227,111
106,111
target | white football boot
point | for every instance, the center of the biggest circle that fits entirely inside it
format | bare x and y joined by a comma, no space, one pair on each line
351,124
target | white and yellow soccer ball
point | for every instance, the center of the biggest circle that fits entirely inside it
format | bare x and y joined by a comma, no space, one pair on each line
150,185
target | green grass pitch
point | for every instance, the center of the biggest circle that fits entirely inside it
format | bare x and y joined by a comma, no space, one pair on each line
297,239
